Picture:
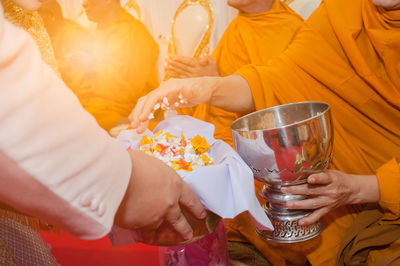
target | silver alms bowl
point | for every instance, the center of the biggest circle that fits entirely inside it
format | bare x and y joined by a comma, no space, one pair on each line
283,145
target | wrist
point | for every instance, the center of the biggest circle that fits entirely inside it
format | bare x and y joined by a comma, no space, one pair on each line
216,83
366,189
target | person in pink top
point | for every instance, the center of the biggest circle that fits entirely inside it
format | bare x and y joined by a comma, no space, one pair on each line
58,165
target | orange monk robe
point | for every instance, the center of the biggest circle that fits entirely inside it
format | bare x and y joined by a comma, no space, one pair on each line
127,56
249,39
71,42
109,71
347,55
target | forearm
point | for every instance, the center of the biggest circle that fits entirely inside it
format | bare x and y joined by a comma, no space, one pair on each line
232,93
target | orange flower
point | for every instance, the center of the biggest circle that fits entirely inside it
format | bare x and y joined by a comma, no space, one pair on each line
206,160
145,140
200,144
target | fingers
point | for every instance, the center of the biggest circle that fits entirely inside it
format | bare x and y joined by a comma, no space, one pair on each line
320,179
183,60
137,110
316,185
205,60
178,221
191,201
142,127
309,204
182,73
305,189
178,66
313,217
177,75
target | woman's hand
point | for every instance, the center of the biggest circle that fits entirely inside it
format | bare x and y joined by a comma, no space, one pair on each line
189,67
172,93
157,195
231,93
330,190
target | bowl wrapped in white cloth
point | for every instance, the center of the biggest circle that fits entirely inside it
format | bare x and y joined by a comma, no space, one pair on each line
226,188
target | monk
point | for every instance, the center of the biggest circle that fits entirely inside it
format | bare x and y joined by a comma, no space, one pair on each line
263,29
346,54
110,70
73,45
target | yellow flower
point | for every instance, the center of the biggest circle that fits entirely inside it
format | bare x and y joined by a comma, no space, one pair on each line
168,136
200,144
158,133
206,160
145,140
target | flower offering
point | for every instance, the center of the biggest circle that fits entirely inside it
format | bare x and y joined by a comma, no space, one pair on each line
177,152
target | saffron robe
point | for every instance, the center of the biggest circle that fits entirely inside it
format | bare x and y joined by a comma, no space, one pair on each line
69,39
347,55
121,66
249,39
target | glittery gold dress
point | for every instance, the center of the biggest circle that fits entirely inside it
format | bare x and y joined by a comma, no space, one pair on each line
20,242
32,22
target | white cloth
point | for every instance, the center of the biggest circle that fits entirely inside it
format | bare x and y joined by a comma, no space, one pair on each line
225,188
56,163
304,7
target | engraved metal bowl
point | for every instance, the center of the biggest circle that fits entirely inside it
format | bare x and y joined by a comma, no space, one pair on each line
283,145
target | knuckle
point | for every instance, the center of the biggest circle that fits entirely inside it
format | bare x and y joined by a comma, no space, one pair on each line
315,205
191,204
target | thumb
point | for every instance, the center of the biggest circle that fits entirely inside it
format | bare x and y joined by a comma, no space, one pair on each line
204,60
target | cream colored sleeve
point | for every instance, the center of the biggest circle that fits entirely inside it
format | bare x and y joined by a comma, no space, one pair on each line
56,163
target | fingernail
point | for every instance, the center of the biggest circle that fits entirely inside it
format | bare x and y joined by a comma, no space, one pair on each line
311,179
289,205
284,190
301,223
203,214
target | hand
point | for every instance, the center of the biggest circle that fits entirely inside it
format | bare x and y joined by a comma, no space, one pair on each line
192,91
154,195
330,190
388,4
189,67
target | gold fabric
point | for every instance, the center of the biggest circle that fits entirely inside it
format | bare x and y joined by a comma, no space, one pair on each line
33,24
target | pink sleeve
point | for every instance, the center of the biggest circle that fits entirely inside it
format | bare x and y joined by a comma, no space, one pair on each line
56,163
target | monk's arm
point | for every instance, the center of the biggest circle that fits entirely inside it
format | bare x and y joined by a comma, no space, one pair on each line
232,93
333,189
